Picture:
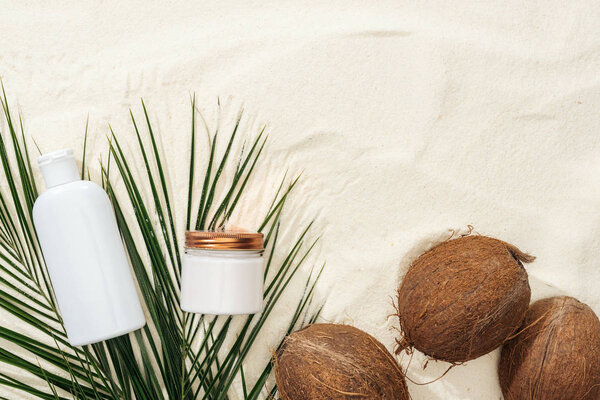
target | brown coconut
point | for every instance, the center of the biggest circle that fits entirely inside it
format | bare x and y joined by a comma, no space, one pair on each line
463,298
328,361
555,356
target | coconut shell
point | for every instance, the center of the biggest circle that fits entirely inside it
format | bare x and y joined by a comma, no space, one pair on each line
463,298
555,356
328,361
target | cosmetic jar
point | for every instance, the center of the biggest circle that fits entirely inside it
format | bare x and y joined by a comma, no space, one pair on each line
222,273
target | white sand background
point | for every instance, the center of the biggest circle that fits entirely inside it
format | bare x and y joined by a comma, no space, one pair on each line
410,119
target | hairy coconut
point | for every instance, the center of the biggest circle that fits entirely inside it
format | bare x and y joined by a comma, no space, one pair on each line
555,355
328,361
463,298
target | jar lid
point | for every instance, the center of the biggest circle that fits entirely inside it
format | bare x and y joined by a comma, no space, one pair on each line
223,240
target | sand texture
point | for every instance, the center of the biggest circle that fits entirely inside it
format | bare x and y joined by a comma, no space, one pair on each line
409,119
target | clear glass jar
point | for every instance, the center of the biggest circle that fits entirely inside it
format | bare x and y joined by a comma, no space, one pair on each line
222,273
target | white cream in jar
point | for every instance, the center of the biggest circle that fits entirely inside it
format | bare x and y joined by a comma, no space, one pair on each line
222,273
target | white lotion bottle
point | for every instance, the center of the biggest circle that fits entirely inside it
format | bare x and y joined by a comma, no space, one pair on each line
84,254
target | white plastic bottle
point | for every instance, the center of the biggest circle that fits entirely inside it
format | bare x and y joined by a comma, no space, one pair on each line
80,240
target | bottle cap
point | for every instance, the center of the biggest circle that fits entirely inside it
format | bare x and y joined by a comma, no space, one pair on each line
58,167
223,240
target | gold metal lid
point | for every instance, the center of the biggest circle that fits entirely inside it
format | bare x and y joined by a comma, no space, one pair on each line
223,240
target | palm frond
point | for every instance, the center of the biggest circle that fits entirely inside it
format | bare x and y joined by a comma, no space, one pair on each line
177,355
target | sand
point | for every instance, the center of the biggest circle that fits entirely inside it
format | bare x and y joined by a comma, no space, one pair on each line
409,120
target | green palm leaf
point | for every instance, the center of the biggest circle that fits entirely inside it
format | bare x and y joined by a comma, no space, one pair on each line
177,355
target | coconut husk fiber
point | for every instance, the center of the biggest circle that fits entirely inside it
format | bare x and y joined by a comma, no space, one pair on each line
555,356
463,298
328,361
